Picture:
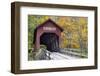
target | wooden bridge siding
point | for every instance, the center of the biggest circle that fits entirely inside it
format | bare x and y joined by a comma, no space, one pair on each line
40,31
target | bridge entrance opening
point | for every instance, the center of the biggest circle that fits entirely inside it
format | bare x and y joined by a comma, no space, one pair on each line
51,41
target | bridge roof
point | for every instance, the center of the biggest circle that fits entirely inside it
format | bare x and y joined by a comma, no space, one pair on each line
51,21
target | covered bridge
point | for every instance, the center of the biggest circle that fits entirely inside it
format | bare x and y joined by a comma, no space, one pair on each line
48,34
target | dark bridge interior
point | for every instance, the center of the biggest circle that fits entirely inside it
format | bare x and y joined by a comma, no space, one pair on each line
51,40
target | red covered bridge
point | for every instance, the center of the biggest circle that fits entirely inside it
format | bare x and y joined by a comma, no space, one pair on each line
49,34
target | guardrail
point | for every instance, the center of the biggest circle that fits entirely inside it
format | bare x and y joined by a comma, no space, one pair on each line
71,53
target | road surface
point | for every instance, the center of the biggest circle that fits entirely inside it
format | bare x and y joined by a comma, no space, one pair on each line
59,56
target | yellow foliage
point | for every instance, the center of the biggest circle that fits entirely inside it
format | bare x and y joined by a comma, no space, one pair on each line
63,43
